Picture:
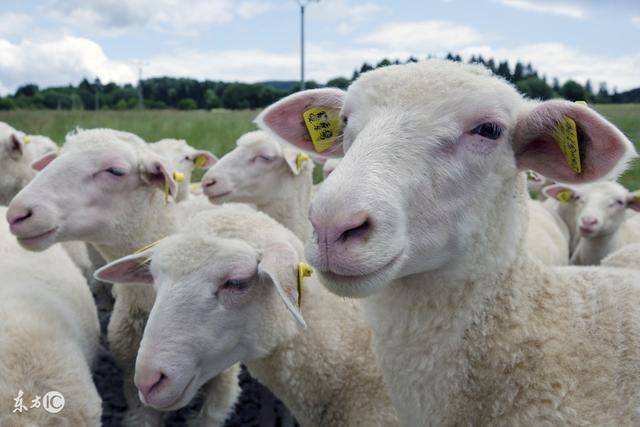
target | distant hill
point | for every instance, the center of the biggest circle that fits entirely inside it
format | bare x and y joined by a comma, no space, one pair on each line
627,97
286,85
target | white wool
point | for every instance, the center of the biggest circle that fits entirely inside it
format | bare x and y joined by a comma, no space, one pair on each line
547,235
48,336
626,257
117,215
262,172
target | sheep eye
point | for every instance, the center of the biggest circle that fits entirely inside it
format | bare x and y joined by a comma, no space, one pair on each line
263,158
620,202
345,121
236,284
116,171
487,130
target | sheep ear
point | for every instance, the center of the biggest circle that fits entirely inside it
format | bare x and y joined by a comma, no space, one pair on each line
294,159
155,172
308,120
561,193
276,260
570,142
16,146
633,200
130,269
44,161
203,159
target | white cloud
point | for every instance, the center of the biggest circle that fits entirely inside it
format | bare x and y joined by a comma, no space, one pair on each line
116,16
561,61
556,8
424,36
12,23
636,21
57,62
345,14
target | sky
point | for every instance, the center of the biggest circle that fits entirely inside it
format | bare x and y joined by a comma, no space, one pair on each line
59,42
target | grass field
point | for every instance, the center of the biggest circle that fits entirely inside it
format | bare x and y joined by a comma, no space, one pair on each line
217,130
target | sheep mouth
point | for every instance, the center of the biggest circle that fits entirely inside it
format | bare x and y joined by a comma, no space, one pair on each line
175,403
217,196
27,241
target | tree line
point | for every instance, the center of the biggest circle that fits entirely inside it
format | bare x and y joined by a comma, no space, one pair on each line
191,94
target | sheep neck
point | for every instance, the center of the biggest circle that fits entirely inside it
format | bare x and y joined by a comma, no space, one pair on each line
290,204
592,250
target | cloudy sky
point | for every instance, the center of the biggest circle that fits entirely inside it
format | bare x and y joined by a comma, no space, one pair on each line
56,42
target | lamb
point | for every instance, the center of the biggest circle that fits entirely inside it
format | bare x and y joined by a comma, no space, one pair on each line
262,172
183,159
547,235
17,151
425,215
535,184
48,337
230,281
602,220
118,198
626,257
329,166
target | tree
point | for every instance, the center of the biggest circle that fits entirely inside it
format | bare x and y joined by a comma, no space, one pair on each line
28,90
572,91
504,71
535,88
384,63
211,99
339,82
187,104
518,72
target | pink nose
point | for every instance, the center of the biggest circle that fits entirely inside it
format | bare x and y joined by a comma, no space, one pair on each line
150,381
17,214
589,221
208,182
338,232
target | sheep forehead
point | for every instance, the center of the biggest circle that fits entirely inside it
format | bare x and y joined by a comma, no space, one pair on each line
257,139
171,146
97,143
432,83
603,189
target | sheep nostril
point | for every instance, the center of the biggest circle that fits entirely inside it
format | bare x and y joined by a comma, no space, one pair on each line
209,183
358,231
20,217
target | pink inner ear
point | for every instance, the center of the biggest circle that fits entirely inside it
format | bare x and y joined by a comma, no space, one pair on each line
602,146
161,177
43,161
126,271
211,159
553,190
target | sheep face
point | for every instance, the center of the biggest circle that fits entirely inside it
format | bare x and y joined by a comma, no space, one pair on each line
600,207
216,305
251,172
91,189
428,148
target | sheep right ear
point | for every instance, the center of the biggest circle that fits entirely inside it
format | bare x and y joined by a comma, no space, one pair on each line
279,259
130,269
308,120
562,193
44,161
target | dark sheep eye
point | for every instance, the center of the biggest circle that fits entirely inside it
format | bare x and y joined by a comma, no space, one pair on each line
487,130
116,172
236,284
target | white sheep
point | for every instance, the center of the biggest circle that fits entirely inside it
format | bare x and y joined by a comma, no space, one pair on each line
17,151
604,218
221,283
183,159
48,338
118,198
426,214
547,235
626,257
535,184
260,171
328,167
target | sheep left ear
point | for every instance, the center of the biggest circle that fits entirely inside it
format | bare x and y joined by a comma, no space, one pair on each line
203,159
280,259
569,142
633,200
130,269
155,172
295,159
44,161
16,146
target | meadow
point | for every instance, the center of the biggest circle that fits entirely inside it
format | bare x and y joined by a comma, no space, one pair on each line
218,130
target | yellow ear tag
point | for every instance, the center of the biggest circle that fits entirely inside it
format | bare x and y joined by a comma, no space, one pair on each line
300,159
200,161
566,135
178,176
581,103
564,196
304,270
26,139
324,127
144,248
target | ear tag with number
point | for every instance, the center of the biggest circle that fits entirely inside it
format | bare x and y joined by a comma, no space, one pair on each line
26,139
200,161
178,176
324,127
300,159
564,196
566,135
304,270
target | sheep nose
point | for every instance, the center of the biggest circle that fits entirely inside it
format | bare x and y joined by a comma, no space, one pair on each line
17,214
589,221
339,232
209,182
147,382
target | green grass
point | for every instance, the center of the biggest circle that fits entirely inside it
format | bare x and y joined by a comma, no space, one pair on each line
218,130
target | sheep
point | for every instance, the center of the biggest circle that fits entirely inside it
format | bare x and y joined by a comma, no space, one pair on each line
262,172
17,151
547,235
626,257
329,166
183,159
118,198
48,338
220,283
535,184
425,215
602,221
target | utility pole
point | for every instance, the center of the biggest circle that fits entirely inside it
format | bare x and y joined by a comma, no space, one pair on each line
303,4
140,65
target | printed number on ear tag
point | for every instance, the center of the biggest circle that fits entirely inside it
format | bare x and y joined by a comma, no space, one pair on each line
323,125
566,135
564,196
200,161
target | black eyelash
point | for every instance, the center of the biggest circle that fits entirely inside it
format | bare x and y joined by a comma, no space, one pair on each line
116,172
487,130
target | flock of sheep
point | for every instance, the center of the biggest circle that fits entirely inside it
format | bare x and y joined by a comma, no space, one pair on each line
462,308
